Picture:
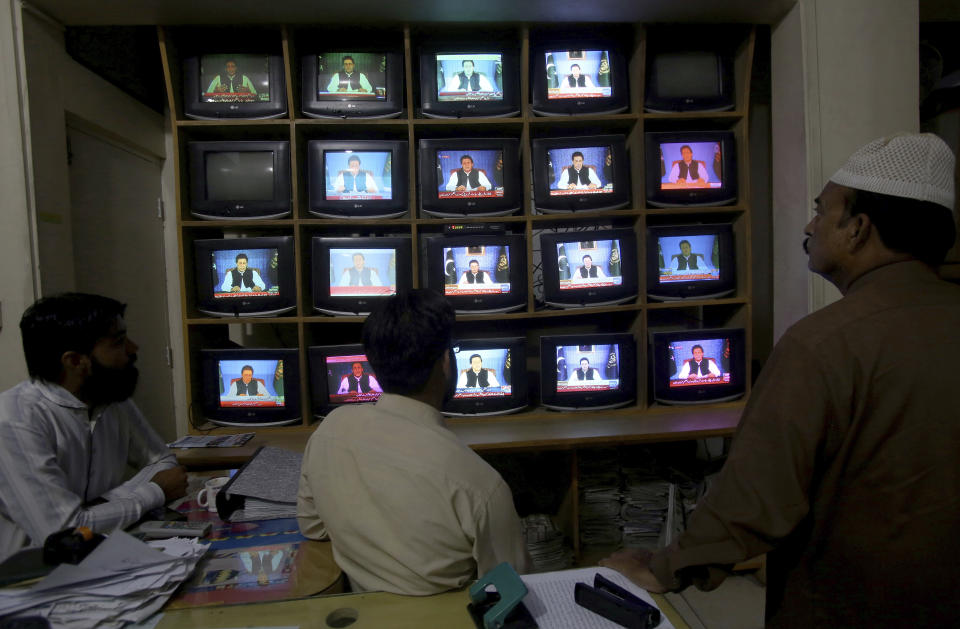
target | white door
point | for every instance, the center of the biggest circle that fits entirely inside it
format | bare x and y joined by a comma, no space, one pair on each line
118,252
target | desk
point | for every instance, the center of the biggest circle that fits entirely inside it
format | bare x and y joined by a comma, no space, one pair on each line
374,610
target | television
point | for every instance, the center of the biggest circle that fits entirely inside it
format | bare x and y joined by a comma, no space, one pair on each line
491,377
689,70
587,371
352,275
470,177
578,77
690,261
698,366
691,168
250,277
228,85
352,84
476,80
357,178
589,268
239,179
340,375
479,273
582,173
251,387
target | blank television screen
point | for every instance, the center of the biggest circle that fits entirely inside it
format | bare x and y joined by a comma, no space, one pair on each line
240,176
688,73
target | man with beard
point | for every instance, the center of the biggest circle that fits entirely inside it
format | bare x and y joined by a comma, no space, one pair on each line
68,434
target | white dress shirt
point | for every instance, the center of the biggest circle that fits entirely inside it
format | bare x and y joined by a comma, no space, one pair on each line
565,179
711,366
481,179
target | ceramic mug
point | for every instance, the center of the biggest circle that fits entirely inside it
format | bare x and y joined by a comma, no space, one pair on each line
207,497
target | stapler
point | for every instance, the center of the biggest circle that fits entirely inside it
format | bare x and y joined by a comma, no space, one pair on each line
616,604
504,608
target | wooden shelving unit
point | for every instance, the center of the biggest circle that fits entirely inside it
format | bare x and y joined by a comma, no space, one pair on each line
537,428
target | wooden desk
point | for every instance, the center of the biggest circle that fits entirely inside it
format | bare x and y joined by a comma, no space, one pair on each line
373,610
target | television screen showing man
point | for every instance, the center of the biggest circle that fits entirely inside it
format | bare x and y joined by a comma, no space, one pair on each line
235,78
251,383
578,74
691,165
469,77
350,379
244,273
465,174
689,258
353,75
596,369
700,362
363,272
477,373
594,264
472,273
579,171
358,175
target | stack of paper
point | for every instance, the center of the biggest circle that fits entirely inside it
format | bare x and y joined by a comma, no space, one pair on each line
599,481
545,544
123,580
268,484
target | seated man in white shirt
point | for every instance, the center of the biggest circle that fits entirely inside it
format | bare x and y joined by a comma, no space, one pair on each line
688,262
358,381
475,275
408,507
242,279
477,376
698,366
577,177
688,170
247,384
587,271
586,372
353,180
348,80
360,274
575,80
468,81
69,433
467,178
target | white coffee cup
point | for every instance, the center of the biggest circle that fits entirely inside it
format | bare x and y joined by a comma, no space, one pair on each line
207,497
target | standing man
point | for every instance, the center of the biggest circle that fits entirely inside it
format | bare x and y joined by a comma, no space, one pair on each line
69,433
844,468
577,177
409,509
349,81
467,179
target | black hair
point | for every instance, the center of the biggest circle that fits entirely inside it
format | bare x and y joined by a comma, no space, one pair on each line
680,244
244,368
241,255
342,61
463,157
476,356
575,65
466,60
355,158
62,323
696,347
585,256
575,153
472,261
923,229
405,336
585,359
686,146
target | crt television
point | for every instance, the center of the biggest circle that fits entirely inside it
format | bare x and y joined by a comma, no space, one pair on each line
698,366
340,375
470,177
474,80
691,168
357,178
251,387
491,377
480,273
589,268
352,275
352,84
580,173
228,85
578,77
239,179
689,69
690,261
587,371
250,277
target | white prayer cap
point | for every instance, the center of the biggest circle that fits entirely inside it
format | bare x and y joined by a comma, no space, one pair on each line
912,165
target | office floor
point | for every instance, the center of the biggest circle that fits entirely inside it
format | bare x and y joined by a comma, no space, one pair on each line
736,604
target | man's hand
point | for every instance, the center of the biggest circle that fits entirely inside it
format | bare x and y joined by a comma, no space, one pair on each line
461,189
173,482
234,289
634,563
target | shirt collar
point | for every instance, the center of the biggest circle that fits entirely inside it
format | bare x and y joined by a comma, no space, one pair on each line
410,409
898,272
57,394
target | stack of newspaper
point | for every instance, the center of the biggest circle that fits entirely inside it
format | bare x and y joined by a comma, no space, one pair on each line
268,485
545,544
600,499
122,581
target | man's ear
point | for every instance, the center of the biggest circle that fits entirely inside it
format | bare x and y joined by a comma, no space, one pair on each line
859,228
75,363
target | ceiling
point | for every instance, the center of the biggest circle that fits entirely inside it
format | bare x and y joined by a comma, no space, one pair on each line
128,12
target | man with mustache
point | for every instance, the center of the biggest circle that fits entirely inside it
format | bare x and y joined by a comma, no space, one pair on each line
69,432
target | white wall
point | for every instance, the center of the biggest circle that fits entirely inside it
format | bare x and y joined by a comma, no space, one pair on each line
16,234
859,70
